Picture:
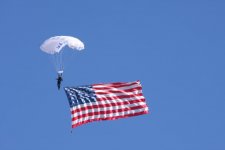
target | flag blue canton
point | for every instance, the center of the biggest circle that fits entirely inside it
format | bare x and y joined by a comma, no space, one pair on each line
80,95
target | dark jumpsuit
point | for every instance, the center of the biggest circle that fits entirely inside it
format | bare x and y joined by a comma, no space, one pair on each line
59,80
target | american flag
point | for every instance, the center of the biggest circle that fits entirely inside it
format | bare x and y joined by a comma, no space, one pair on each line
105,102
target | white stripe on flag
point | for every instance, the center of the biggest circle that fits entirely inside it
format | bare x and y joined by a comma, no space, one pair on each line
129,106
118,94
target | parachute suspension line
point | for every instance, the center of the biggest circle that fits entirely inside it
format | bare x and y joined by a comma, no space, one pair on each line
61,61
52,59
57,62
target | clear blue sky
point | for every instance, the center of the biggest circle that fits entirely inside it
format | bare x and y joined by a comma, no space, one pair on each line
175,48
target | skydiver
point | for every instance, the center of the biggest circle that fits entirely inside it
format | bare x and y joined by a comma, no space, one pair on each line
59,80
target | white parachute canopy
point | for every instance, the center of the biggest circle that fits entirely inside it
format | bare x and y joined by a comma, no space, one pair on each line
55,45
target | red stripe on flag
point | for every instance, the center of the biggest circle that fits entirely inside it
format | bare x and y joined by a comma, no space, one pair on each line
115,85
107,105
118,91
109,118
117,97
108,111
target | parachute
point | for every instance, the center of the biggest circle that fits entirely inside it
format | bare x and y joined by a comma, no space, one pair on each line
55,47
